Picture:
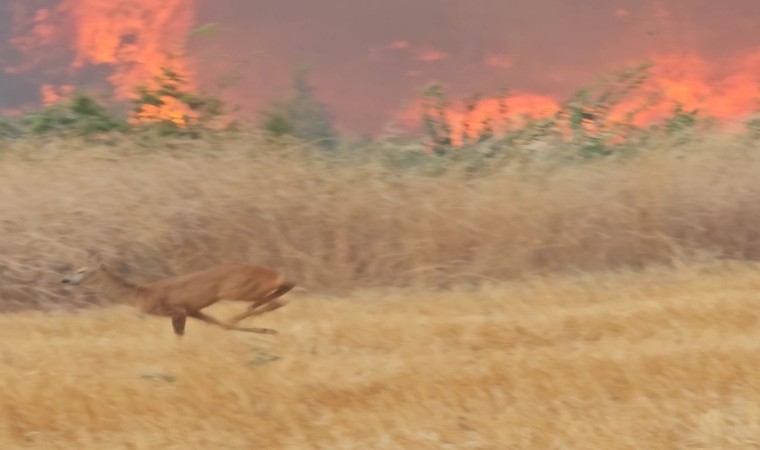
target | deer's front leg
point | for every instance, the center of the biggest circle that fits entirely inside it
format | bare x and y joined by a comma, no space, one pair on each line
178,323
160,308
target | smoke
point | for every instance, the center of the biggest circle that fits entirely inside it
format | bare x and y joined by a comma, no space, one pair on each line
366,59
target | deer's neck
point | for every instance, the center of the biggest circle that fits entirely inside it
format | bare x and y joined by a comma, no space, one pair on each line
121,289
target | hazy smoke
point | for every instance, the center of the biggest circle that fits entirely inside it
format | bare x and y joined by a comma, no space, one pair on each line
366,58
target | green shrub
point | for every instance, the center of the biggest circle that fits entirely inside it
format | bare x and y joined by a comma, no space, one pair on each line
81,115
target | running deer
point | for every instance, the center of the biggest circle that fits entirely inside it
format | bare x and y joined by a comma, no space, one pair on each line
184,296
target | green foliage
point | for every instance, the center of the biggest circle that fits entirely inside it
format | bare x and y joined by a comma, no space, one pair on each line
10,128
597,122
584,127
752,127
84,116
191,113
278,125
81,115
681,120
437,127
301,116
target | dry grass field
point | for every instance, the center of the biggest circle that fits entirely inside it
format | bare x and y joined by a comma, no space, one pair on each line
340,225
660,359
543,305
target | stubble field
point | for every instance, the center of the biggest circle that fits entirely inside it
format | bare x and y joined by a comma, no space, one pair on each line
662,359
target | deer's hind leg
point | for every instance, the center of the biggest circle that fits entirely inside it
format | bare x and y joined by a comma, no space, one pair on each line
265,304
208,319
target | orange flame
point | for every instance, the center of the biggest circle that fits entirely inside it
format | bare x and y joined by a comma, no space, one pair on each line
135,38
488,112
727,92
54,94
138,37
172,110
430,54
493,112
724,91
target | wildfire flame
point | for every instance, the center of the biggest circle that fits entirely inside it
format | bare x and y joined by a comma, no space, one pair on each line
724,91
135,38
488,112
53,94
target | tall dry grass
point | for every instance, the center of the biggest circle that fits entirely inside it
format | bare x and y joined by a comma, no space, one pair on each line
341,224
657,361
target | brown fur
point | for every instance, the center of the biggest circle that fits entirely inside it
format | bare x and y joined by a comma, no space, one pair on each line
185,296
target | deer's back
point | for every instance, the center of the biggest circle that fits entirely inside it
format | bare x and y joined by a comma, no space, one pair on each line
232,281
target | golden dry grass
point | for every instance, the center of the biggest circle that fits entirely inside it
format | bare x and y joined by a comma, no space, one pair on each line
334,224
654,360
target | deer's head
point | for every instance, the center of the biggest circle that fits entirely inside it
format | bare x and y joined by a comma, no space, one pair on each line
85,273
80,276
